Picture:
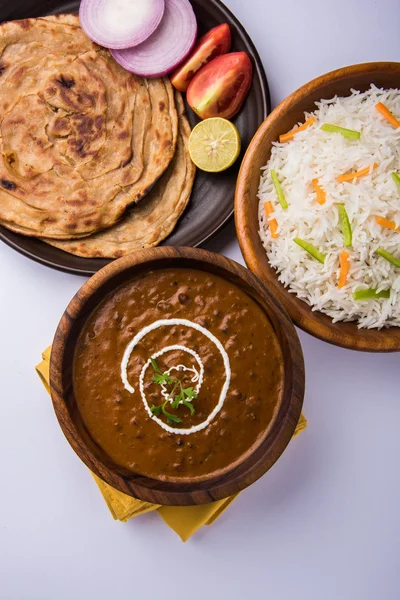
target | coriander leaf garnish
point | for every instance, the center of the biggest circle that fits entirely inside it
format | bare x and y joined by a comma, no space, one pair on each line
176,397
155,366
177,400
156,410
190,393
160,378
189,406
172,420
170,417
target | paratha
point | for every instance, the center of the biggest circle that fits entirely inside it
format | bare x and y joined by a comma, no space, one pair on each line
80,138
151,221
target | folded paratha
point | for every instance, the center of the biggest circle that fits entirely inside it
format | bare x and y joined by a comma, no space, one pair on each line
151,221
80,138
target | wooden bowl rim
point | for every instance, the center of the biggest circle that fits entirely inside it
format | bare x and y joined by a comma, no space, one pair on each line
313,322
153,490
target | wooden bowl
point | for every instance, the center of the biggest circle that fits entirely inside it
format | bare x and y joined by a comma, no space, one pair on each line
281,120
62,391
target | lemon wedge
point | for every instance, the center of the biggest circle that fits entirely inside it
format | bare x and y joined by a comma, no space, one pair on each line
214,145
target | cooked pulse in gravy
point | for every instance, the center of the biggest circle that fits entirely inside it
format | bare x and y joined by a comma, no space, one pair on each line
178,375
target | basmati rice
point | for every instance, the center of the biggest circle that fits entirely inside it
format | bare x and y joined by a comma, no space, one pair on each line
317,154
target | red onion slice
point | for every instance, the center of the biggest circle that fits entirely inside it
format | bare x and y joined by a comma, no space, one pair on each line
169,45
120,23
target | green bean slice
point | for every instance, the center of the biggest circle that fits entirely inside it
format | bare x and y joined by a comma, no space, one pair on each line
389,257
349,134
311,249
346,226
278,189
396,178
370,294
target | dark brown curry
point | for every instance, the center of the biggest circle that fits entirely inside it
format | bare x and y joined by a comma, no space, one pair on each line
130,433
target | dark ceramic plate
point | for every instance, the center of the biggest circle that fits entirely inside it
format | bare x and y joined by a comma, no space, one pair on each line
211,204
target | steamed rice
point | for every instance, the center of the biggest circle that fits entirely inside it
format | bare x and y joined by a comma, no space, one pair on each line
316,154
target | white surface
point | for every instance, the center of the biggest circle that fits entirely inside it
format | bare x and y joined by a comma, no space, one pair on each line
322,524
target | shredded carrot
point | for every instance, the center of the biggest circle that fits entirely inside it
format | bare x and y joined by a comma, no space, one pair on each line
273,225
286,137
385,112
355,174
344,268
386,223
321,194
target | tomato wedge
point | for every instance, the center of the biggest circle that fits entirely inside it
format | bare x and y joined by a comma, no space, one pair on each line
214,43
220,88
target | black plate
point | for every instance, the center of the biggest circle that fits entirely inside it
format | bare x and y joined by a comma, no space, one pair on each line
211,204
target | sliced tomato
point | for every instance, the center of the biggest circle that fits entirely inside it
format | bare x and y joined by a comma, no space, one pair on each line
220,88
214,43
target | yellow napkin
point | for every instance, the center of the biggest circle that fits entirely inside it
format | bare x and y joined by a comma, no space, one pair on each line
184,520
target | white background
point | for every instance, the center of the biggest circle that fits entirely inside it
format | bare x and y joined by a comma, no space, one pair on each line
323,524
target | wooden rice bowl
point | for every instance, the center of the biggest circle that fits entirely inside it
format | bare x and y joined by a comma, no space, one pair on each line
282,119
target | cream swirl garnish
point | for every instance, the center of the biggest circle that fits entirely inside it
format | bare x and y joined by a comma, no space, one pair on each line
170,322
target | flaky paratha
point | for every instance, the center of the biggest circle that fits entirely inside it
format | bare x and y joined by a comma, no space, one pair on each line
80,137
151,221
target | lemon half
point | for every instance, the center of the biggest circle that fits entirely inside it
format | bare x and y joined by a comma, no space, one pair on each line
214,145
